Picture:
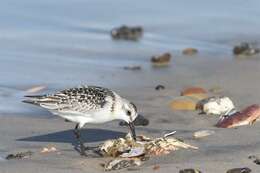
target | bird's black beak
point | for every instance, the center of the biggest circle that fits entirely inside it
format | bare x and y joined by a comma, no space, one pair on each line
132,130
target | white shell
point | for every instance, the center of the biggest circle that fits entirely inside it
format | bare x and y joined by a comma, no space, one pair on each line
134,152
218,106
203,133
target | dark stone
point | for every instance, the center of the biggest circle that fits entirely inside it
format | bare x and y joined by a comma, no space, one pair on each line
139,121
239,170
21,155
159,87
190,171
127,33
245,48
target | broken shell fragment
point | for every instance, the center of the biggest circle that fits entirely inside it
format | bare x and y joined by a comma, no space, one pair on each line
48,149
121,163
216,106
203,133
247,116
134,152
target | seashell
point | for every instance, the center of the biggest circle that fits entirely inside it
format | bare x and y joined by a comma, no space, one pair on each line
48,149
121,163
134,152
203,133
216,106
247,116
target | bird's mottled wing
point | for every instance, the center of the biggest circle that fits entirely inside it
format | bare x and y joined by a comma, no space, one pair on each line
81,99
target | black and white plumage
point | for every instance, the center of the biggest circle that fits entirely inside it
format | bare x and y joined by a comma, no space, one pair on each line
87,104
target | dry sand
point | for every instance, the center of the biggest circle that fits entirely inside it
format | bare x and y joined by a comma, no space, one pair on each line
227,148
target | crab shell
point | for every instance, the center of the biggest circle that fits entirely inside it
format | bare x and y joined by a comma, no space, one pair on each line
247,116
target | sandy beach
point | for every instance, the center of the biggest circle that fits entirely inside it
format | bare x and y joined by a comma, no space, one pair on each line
61,44
226,149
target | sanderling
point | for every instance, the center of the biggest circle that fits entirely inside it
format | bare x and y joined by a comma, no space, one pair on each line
87,104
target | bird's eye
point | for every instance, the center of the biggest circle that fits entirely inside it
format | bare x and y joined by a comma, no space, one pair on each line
128,113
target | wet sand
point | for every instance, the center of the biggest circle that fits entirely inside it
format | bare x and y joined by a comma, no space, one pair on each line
227,148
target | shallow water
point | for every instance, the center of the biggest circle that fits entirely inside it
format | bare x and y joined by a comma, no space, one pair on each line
66,43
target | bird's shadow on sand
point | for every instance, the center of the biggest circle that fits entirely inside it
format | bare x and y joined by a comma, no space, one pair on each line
67,136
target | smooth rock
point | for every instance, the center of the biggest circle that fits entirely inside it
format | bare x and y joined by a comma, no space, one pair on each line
190,51
184,103
127,33
193,90
239,170
161,60
159,87
245,48
190,171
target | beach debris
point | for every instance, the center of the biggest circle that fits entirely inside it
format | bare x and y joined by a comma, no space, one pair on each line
193,91
127,32
159,87
184,103
255,159
133,67
121,163
190,170
139,121
156,147
246,48
20,155
161,60
245,117
128,152
48,149
203,133
35,89
216,106
190,51
239,170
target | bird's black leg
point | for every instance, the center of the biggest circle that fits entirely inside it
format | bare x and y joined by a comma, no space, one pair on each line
77,134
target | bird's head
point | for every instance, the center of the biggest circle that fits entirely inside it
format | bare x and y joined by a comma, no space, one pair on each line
129,114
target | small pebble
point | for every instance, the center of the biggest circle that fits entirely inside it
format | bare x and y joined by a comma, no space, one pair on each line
239,170
21,155
159,87
190,171
132,68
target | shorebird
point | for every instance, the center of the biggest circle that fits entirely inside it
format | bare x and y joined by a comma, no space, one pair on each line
87,104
